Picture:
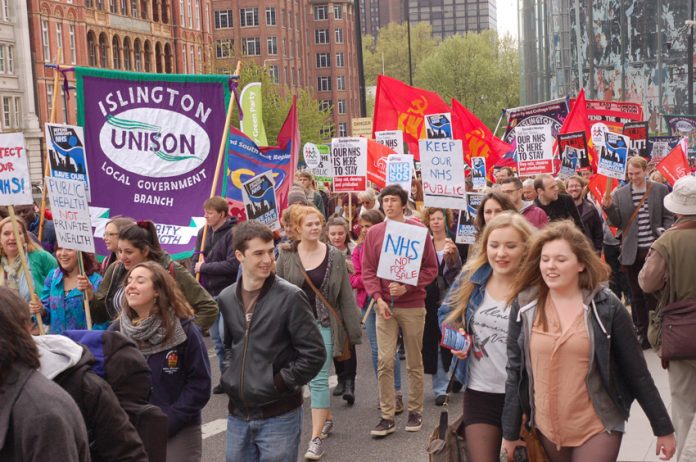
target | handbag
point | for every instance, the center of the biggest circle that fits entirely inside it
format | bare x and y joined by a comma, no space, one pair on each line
345,348
535,450
447,443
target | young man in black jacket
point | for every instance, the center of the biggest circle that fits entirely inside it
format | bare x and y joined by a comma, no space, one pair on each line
218,267
556,205
272,348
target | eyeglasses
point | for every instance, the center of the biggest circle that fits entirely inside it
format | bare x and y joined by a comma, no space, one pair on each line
110,234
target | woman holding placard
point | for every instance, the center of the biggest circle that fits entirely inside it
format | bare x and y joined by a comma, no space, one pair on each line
62,304
320,271
477,305
12,274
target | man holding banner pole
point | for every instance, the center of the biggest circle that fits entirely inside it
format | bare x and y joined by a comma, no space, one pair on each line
398,306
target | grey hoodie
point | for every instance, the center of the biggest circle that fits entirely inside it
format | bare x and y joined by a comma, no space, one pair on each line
57,354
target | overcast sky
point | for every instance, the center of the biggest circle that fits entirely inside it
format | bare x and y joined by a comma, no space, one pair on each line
507,17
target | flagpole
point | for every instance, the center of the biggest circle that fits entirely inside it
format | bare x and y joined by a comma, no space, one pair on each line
218,166
52,119
502,113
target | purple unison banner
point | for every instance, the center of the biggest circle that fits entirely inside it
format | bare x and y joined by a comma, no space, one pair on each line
551,113
152,142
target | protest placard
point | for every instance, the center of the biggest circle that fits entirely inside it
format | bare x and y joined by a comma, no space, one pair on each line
578,141
438,126
402,252
442,172
400,170
349,160
323,172
361,126
569,162
260,200
311,155
637,133
393,139
612,160
660,146
534,149
70,209
466,229
15,183
478,172
66,153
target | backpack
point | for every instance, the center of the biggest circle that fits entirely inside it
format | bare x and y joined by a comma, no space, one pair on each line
121,364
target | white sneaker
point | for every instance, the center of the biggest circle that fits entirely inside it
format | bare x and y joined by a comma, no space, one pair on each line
315,451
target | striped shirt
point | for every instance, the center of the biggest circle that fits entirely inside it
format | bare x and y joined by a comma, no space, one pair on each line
645,234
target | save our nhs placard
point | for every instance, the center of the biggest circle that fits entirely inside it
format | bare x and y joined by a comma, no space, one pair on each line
612,160
66,153
399,170
442,172
15,183
402,252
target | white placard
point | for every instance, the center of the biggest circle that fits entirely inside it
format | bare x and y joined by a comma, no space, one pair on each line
71,213
442,172
478,173
534,149
402,252
349,160
311,154
15,182
393,139
613,158
400,170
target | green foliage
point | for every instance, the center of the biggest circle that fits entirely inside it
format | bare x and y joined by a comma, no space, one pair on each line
277,102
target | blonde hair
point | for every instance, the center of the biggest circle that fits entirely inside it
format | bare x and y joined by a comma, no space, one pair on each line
595,272
637,161
31,246
459,298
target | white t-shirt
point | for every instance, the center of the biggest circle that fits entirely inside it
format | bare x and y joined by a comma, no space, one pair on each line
488,356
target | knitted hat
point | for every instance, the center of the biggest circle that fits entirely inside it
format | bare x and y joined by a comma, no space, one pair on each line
682,199
297,195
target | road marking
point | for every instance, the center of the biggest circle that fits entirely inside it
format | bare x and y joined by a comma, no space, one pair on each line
213,428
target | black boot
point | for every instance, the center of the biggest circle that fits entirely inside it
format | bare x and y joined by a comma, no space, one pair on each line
340,388
349,392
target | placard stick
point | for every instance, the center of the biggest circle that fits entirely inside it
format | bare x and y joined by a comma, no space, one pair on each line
350,211
25,266
218,166
85,300
367,312
47,161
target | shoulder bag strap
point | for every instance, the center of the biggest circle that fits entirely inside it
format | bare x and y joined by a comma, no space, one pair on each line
319,294
627,228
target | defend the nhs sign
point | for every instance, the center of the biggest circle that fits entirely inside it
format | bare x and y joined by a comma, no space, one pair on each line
402,252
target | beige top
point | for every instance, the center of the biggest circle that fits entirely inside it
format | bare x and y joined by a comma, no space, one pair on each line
560,363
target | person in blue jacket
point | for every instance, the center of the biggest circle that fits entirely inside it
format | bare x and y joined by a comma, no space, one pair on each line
477,304
157,317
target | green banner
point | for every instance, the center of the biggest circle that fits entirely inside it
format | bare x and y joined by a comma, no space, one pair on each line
252,123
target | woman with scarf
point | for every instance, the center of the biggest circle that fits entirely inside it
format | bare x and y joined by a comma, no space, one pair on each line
157,317
11,274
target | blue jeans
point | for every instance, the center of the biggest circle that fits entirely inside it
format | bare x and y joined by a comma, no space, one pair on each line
217,332
276,439
440,378
371,329
319,385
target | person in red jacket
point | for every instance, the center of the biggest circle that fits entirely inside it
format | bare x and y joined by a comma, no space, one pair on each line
397,306
512,188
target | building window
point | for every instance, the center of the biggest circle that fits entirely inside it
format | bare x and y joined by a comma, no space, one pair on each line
49,97
18,111
88,4
200,61
223,48
274,73
7,112
123,7
325,105
182,20
198,14
44,41
6,15
192,63
116,51
143,9
134,8
223,19
2,59
272,44
251,46
147,52
339,35
323,60
92,49
103,47
341,106
320,13
339,60
138,55
190,13
10,59
126,54
342,129
183,59
321,36
338,12
270,16
249,17
59,36
323,83
73,48
340,82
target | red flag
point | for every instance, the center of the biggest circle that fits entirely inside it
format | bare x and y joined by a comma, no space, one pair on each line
377,162
401,107
578,121
674,165
477,139
597,187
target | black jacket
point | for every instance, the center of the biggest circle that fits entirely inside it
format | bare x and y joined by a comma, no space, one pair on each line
268,362
220,267
594,229
562,208
618,372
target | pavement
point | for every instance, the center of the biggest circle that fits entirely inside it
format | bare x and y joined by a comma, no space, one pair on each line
351,439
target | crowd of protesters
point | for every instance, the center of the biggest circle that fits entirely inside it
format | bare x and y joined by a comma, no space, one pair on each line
559,295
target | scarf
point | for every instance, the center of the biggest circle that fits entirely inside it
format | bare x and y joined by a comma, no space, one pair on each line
149,334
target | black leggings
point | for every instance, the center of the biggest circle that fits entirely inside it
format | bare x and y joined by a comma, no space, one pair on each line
347,369
603,447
